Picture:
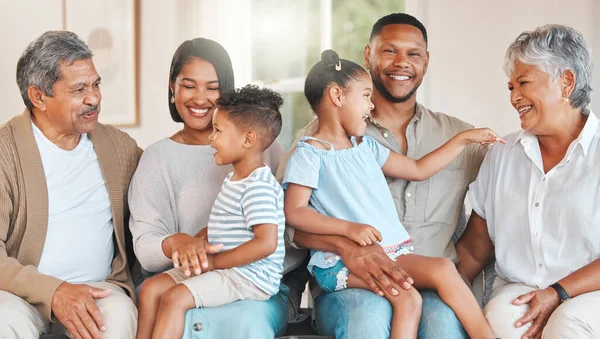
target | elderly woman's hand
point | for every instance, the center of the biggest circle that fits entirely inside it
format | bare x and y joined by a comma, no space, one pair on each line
541,305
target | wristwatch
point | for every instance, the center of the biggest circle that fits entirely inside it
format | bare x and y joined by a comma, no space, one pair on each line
562,294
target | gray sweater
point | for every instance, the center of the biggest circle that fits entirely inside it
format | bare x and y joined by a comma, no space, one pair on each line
172,191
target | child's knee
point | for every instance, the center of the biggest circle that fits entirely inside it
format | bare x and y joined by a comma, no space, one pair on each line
175,297
407,298
444,269
151,289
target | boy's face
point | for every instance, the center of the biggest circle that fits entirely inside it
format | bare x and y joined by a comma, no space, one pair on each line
226,139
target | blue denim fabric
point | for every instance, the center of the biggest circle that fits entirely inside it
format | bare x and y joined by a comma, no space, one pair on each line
327,278
357,314
246,319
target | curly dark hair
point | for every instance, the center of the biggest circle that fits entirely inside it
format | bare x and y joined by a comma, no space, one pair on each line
254,108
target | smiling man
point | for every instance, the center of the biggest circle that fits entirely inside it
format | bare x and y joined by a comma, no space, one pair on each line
430,210
63,189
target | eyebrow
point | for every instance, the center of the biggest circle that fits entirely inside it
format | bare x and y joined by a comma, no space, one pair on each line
84,83
194,81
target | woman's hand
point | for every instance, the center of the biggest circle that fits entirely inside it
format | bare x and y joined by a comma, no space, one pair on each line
541,305
482,136
193,255
362,234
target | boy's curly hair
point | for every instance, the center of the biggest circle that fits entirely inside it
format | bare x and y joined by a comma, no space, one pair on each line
254,108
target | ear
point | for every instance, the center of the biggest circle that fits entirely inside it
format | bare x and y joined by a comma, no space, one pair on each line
171,85
567,80
37,97
250,139
426,63
367,56
335,95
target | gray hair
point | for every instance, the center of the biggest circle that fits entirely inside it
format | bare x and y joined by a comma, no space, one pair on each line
554,49
39,64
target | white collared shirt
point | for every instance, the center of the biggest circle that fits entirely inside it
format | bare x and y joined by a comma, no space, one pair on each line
544,225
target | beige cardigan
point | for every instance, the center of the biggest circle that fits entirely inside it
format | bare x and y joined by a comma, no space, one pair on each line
24,208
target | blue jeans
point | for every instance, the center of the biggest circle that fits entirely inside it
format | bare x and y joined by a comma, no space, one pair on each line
239,320
356,313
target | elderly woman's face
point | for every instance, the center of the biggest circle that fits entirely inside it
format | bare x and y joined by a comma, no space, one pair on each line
535,97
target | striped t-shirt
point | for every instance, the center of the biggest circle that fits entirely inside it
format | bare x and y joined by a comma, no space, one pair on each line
254,200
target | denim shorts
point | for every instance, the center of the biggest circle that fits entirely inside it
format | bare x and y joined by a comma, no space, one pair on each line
333,278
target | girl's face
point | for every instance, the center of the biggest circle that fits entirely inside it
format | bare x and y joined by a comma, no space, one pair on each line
356,105
196,90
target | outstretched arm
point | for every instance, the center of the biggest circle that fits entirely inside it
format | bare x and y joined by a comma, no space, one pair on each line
403,167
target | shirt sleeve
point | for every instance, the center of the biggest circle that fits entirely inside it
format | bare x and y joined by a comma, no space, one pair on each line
380,152
152,220
481,190
259,204
302,168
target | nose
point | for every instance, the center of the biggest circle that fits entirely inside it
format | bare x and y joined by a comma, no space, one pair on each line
515,96
371,105
200,98
93,98
401,61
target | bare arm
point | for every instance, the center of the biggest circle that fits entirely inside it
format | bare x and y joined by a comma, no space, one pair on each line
261,246
475,248
403,167
303,218
584,280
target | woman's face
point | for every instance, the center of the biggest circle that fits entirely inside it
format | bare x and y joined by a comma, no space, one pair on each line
536,97
196,90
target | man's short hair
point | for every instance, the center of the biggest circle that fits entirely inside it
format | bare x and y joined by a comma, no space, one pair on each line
254,108
397,19
39,65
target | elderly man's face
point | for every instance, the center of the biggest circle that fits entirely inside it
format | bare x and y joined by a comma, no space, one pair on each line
75,104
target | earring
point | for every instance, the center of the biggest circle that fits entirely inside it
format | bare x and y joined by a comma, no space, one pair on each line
172,99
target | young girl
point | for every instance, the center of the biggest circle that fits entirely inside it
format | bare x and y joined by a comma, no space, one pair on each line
342,176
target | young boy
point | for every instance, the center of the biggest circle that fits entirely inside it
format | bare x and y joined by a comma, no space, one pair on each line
247,219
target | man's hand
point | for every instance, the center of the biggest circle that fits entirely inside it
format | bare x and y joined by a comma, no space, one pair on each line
192,255
363,234
372,265
73,305
541,305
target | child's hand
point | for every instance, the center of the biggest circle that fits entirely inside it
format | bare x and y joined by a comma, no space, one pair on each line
363,234
482,136
192,256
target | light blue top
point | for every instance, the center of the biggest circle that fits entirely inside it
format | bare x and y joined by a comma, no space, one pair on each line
241,205
348,184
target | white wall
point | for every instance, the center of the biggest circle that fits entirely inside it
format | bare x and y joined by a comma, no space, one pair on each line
468,40
467,43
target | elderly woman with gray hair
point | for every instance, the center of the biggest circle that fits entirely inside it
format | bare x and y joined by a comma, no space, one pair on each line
536,199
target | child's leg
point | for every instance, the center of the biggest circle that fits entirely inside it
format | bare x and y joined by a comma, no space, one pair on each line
149,300
406,308
210,289
441,274
171,313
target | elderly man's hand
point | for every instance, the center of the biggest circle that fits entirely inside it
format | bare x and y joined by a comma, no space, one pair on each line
371,264
74,306
541,305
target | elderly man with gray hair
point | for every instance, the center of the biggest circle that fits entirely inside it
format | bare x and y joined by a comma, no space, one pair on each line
536,199
63,206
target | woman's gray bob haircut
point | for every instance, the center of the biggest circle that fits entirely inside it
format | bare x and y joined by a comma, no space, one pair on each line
554,49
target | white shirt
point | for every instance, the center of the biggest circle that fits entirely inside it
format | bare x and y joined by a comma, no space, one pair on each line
79,241
543,226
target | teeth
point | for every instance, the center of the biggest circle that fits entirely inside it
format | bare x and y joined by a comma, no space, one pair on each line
199,111
525,109
400,77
